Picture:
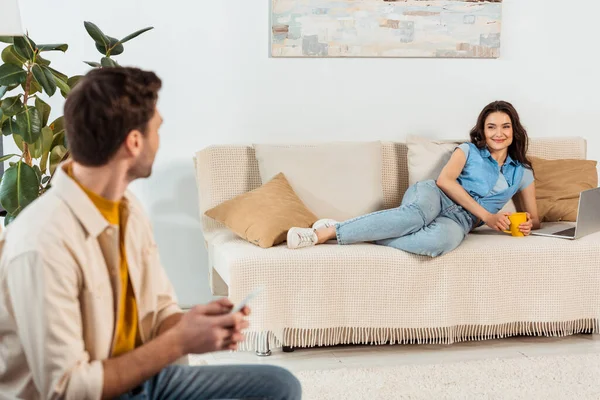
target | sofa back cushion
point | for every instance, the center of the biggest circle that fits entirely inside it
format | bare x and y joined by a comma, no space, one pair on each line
334,180
225,171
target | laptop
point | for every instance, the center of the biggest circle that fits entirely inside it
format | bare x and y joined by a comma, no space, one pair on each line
588,218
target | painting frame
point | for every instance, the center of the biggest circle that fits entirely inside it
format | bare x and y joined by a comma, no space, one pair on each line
385,28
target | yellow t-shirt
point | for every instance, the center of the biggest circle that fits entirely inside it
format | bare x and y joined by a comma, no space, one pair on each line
126,328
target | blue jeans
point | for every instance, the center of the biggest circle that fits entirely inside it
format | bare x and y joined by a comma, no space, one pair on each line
428,223
184,382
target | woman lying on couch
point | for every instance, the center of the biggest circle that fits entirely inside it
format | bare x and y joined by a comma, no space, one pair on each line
436,216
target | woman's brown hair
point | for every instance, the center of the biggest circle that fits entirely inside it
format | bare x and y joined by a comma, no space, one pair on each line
518,148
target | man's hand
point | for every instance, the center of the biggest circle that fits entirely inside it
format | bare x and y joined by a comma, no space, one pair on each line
498,222
203,329
526,227
208,328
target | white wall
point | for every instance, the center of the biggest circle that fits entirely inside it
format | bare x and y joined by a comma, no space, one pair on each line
220,86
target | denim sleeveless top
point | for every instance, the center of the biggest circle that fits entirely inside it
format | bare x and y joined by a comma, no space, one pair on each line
480,174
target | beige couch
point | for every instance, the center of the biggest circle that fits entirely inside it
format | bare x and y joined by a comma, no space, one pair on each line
492,286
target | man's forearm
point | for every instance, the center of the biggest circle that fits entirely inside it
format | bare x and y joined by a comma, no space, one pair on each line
131,369
168,323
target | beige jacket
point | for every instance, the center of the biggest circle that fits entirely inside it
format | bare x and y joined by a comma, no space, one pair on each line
59,285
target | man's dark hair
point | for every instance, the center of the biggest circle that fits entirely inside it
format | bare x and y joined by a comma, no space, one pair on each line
104,107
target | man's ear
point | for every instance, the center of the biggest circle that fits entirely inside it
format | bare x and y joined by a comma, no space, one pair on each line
133,142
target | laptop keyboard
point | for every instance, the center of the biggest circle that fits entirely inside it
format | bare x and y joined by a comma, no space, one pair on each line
567,232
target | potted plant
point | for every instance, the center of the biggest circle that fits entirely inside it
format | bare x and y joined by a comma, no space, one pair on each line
25,79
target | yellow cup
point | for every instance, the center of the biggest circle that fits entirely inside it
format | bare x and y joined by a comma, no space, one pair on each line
516,219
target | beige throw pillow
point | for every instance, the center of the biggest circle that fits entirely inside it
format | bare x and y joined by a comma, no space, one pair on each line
334,180
558,184
427,158
264,215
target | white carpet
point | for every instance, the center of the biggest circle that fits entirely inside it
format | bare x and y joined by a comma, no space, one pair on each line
550,377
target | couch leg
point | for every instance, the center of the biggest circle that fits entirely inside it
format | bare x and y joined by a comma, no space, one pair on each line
262,345
287,349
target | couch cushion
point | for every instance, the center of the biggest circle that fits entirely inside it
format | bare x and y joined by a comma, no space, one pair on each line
225,171
334,180
229,253
427,158
264,215
558,184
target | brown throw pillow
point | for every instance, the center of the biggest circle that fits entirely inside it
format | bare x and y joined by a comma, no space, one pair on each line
264,215
558,184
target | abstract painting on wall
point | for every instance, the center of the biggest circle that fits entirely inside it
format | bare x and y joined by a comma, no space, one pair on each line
386,28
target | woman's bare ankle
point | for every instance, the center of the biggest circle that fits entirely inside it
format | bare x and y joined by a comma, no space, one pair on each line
325,234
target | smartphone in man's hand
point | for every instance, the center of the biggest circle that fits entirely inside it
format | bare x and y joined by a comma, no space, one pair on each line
247,300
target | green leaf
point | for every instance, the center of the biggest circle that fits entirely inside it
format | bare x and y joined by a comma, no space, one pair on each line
11,127
53,47
12,105
1,115
96,34
38,172
34,87
101,48
3,90
8,157
6,39
18,141
64,88
58,125
93,64
51,81
42,61
45,179
47,139
60,79
58,74
44,110
56,156
58,140
135,34
74,80
25,47
18,188
114,47
8,219
35,149
11,74
45,79
108,63
30,122
10,56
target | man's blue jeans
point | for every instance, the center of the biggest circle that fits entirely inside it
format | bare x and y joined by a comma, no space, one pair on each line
428,223
184,382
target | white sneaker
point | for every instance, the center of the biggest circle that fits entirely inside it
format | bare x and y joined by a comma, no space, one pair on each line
298,238
324,223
